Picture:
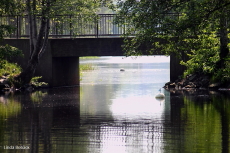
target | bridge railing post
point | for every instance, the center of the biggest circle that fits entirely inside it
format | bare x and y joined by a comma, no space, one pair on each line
97,27
70,27
17,35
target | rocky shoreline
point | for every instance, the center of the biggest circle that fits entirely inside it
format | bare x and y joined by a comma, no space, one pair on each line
4,83
196,81
5,86
191,82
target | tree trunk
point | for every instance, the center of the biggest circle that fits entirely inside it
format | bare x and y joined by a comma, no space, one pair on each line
224,50
37,42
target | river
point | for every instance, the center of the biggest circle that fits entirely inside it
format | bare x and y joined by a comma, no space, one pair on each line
115,111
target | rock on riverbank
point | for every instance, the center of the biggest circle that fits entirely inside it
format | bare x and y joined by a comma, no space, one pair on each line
198,81
4,83
5,86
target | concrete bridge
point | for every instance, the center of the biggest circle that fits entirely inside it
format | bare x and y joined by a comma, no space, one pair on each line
59,65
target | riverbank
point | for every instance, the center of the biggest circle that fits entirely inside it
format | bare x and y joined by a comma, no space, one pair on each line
6,84
196,81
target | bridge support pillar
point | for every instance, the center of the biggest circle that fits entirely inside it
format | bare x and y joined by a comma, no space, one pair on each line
176,69
65,71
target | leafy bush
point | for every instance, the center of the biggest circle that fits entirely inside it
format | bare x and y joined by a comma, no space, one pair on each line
223,75
204,57
36,83
7,52
9,69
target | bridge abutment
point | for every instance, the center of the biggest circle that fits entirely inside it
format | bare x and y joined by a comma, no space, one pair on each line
176,69
65,71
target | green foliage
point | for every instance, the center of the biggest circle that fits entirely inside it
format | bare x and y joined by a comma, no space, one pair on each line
9,69
89,57
223,74
9,108
36,83
8,7
7,52
38,96
204,116
196,28
11,7
6,30
172,21
85,67
204,56
43,17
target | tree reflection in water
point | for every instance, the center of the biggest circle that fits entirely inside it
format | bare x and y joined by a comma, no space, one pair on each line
203,120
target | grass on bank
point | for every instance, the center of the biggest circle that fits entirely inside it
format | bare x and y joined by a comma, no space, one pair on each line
89,57
86,67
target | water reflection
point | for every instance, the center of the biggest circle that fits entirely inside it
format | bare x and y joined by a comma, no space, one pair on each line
9,107
43,113
137,108
203,121
117,115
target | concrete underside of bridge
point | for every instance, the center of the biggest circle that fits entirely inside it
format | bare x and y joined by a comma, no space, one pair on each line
59,65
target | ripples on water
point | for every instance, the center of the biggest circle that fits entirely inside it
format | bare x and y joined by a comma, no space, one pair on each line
115,111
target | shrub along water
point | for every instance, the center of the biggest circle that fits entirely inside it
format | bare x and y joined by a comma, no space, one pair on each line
9,70
204,58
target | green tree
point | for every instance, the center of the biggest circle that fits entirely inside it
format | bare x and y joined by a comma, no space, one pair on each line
8,7
40,14
183,24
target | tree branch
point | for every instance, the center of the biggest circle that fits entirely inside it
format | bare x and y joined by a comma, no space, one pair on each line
46,33
218,7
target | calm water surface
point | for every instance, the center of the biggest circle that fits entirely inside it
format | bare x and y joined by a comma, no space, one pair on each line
116,112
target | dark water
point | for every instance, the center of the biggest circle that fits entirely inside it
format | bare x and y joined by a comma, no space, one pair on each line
116,112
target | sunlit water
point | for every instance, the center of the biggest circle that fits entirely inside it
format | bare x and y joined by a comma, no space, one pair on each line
116,111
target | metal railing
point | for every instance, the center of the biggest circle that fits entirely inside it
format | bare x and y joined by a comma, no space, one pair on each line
68,26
